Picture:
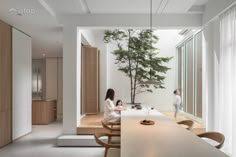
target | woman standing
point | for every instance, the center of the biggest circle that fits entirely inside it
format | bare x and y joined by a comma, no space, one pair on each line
109,109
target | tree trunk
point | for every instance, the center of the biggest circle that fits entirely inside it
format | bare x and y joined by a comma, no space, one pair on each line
130,72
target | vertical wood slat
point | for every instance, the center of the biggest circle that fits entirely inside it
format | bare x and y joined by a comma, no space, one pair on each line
5,84
90,80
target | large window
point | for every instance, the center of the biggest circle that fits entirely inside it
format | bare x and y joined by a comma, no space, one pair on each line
190,74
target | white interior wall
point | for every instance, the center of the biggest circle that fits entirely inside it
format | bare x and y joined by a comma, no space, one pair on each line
54,82
51,78
162,99
71,79
22,86
88,37
59,88
78,74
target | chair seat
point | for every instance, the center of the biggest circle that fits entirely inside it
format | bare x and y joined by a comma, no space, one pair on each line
215,136
112,152
187,123
210,141
184,126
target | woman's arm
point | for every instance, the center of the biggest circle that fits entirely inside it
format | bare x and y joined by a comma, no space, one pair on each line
120,108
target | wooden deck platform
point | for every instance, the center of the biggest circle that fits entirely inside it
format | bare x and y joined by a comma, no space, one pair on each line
92,123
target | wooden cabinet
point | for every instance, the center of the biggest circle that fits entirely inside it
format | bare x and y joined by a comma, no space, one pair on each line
90,80
44,112
5,84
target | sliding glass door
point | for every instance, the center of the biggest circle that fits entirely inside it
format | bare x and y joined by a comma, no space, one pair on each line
198,74
182,74
190,74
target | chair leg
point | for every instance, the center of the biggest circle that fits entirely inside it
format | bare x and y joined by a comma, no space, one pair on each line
106,151
109,140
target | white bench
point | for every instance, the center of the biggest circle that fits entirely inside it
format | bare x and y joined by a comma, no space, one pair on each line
77,141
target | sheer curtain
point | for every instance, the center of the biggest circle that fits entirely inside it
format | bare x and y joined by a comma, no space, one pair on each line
219,95
227,78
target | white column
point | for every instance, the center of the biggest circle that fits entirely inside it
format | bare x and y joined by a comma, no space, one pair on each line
21,84
71,79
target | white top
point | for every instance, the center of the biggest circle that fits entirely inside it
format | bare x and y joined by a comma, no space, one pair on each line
109,112
177,100
164,139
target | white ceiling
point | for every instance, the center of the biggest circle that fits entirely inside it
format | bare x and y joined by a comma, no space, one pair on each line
140,6
121,6
200,2
45,30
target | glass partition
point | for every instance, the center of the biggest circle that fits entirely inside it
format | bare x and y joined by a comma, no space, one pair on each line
181,75
190,74
198,74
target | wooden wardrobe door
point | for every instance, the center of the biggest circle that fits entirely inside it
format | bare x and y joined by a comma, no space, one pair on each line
5,85
91,80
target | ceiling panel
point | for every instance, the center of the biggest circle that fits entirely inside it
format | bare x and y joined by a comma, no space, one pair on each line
200,2
121,6
178,6
67,6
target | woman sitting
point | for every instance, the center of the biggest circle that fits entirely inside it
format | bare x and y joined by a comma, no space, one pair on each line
110,109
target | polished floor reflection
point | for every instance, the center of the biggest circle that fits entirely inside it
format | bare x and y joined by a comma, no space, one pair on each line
42,143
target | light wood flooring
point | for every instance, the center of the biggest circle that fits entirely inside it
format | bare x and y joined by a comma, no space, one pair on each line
198,125
90,124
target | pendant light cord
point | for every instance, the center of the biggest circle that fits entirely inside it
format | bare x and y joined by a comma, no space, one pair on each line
151,15
151,31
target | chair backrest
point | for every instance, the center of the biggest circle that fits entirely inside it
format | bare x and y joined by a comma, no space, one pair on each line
188,123
218,137
98,135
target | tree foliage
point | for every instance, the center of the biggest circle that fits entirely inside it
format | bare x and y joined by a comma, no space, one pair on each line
138,59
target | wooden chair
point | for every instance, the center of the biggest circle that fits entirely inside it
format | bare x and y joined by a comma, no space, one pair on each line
107,146
187,123
112,128
218,137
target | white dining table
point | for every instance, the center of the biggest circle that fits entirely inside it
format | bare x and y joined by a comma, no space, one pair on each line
163,139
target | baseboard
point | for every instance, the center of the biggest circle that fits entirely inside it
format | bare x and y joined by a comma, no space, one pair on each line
22,136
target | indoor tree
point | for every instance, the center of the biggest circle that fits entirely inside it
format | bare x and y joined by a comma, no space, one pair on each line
138,59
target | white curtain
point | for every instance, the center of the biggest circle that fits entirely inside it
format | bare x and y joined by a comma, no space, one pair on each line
219,95
227,76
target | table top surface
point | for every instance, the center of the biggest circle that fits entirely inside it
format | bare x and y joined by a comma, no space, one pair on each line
163,139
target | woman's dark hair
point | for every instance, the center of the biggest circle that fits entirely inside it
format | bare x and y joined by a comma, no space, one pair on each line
117,103
110,94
